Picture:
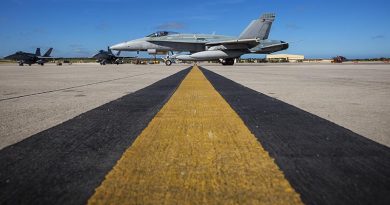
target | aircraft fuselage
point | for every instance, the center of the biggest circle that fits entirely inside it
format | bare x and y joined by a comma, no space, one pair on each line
254,39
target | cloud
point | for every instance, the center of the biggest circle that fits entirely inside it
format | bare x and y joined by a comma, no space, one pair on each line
171,25
378,37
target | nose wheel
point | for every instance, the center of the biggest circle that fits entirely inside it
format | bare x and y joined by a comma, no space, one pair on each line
169,59
168,62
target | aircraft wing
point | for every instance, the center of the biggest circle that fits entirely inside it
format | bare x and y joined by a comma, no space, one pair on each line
248,42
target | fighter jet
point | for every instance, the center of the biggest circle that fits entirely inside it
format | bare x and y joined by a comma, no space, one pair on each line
104,57
204,47
30,58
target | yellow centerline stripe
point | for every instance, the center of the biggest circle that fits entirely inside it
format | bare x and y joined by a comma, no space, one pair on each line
196,150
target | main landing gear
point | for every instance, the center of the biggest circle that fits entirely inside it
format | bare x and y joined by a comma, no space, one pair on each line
227,61
22,64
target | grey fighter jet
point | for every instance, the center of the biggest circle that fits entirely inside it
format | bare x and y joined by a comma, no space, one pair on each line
30,58
107,57
204,47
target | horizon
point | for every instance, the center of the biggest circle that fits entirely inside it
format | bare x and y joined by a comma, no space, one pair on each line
82,28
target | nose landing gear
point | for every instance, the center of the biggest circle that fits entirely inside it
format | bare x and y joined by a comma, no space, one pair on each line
168,62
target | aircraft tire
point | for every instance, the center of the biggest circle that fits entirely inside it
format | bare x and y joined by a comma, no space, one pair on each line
228,61
168,62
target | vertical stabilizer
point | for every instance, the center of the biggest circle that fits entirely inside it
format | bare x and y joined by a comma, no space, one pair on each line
38,52
259,28
48,52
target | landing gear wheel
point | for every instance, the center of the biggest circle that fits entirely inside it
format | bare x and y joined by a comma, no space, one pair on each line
21,64
228,61
168,62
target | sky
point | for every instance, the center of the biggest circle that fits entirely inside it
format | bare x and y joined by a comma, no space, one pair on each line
80,28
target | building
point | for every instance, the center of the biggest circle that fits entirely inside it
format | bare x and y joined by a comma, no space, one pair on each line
285,58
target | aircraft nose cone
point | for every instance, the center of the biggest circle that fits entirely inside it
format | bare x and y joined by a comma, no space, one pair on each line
10,57
135,45
285,46
118,46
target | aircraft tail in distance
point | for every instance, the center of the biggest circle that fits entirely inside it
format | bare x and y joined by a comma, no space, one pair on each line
38,52
259,28
48,52
109,49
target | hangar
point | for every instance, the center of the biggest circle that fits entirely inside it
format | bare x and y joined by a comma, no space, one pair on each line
285,58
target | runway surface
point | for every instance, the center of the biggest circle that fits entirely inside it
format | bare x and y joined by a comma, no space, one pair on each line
196,150
39,97
325,163
194,137
355,96
64,164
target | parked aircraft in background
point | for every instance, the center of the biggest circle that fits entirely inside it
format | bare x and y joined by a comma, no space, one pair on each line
204,47
30,58
107,57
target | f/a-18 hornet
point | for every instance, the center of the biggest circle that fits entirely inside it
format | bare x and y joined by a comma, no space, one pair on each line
204,47
107,57
30,58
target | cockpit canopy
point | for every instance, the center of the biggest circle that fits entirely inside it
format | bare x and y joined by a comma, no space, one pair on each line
161,33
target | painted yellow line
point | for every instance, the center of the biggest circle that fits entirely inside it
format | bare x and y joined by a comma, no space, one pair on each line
196,150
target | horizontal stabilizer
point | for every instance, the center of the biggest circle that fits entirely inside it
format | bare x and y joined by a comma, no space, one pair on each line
270,48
